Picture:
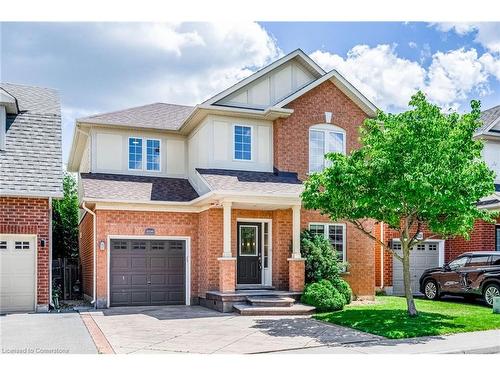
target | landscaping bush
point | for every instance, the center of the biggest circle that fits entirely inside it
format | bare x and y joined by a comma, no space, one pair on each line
323,296
321,260
343,287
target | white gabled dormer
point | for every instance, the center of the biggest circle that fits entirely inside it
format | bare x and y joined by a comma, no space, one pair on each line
8,105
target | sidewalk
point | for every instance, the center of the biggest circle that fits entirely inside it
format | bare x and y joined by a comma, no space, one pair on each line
482,342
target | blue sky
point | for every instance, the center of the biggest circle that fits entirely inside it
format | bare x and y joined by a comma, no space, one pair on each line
101,67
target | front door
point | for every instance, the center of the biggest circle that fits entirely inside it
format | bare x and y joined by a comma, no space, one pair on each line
249,265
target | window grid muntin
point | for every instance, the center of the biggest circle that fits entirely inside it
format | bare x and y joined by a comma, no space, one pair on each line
135,153
153,153
335,233
242,142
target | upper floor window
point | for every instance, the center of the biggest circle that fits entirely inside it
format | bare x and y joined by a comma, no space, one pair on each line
242,142
135,153
322,140
137,148
153,155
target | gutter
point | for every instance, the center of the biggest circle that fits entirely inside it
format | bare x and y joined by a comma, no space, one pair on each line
94,226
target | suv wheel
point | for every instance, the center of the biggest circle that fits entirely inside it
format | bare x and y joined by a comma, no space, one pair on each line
489,292
431,290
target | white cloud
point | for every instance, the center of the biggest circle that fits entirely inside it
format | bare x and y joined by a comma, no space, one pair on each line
205,58
377,72
389,80
453,75
487,33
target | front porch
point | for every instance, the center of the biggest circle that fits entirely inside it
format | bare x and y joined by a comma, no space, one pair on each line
260,254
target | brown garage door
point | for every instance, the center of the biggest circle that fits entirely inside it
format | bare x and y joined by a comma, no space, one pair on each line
147,272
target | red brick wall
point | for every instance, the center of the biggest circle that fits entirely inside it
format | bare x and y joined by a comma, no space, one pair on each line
359,253
291,135
210,248
20,215
481,238
86,251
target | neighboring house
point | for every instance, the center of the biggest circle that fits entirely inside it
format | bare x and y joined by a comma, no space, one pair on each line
179,201
436,252
30,177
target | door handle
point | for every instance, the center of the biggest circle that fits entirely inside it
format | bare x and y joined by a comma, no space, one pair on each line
149,282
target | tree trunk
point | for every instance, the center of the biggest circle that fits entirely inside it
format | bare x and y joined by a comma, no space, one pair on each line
410,303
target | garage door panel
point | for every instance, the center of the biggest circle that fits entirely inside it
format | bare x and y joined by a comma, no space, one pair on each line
17,272
423,257
153,273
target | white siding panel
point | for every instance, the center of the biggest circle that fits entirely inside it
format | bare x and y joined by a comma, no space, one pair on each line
109,153
282,83
491,154
260,94
175,151
264,144
222,141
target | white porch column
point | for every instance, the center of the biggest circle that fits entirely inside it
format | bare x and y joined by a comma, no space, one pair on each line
227,229
296,232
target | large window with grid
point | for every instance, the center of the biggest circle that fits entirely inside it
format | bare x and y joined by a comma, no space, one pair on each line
324,139
242,142
335,233
137,147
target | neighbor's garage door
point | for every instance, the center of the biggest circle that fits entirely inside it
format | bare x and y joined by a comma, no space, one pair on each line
147,272
425,255
17,273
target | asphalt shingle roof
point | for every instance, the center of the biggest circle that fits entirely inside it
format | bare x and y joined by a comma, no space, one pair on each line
136,188
31,164
155,116
489,116
250,181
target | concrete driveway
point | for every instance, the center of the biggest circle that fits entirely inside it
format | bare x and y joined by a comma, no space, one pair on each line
195,329
45,334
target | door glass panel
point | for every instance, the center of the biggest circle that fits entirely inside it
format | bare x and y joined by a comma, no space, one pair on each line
266,245
495,260
248,240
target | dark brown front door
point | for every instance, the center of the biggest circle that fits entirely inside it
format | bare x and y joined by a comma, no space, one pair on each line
249,266
147,272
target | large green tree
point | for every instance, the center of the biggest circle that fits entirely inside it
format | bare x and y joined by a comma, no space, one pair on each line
414,170
65,221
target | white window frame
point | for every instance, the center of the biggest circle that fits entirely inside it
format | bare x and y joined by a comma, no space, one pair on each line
144,160
326,235
251,143
325,129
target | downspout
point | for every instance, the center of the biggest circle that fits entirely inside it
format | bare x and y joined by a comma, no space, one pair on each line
382,255
94,226
51,303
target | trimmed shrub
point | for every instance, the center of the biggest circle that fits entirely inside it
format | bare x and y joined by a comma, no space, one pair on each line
321,260
343,287
323,296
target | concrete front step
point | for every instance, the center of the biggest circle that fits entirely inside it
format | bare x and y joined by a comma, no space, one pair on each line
271,301
295,309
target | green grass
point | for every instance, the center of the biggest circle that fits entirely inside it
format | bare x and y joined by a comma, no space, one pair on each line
388,318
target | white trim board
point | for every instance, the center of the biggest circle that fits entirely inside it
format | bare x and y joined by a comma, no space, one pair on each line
127,237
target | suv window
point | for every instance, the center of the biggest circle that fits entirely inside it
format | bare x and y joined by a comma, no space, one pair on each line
495,260
458,263
479,260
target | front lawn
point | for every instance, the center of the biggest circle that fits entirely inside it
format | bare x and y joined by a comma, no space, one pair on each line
388,318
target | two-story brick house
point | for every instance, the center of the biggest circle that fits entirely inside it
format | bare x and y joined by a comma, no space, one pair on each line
180,201
437,251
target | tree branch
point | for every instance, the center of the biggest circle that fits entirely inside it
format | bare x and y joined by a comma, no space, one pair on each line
361,228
